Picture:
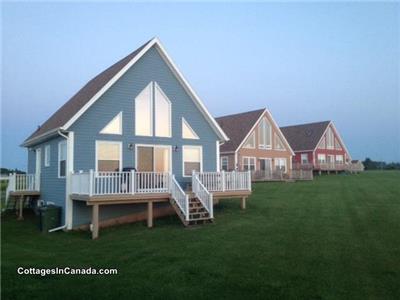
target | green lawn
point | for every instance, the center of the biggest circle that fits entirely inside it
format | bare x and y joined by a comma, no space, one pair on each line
337,237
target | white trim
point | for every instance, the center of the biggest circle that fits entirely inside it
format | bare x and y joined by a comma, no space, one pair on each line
156,86
151,111
58,159
69,169
249,157
108,142
40,137
118,116
217,156
236,166
38,161
178,74
47,155
183,161
154,146
184,122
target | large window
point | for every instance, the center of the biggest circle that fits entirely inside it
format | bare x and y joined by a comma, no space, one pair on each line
162,113
339,159
108,156
304,158
322,144
321,158
224,163
152,101
47,156
249,163
264,134
192,159
280,164
251,141
144,112
62,158
329,138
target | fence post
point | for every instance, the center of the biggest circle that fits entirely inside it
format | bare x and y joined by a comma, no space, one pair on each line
91,182
132,182
223,181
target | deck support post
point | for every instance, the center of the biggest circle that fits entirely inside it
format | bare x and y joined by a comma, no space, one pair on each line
95,221
21,208
150,214
243,203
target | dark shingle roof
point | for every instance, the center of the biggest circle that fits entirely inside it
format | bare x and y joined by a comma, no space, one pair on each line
304,136
70,108
237,126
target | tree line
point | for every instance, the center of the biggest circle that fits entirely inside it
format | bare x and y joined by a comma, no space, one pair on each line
370,164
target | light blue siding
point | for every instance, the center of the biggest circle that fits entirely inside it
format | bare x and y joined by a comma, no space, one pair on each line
52,188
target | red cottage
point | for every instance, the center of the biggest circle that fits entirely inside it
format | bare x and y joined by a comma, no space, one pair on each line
317,146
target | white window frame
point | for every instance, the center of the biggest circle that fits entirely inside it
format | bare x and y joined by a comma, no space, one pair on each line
156,86
265,146
59,161
183,161
339,161
319,160
253,137
225,158
108,142
119,115
278,161
301,158
154,146
185,123
151,111
248,165
47,156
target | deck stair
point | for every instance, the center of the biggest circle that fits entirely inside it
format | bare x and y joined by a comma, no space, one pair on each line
198,214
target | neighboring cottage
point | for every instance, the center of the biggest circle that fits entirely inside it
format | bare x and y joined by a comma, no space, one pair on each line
138,134
318,146
256,144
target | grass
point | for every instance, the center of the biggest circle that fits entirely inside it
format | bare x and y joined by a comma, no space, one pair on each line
334,238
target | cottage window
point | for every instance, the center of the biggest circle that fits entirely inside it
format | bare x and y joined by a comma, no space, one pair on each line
264,134
321,158
224,163
339,159
280,164
114,126
62,159
47,156
249,163
162,113
337,145
329,138
187,131
304,158
251,141
144,112
192,159
108,156
322,144
278,143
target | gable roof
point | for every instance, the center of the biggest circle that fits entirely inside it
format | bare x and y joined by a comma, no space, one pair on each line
237,126
305,137
64,117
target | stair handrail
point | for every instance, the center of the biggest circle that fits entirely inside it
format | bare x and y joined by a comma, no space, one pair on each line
180,197
200,191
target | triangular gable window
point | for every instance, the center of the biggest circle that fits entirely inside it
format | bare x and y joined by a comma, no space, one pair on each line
114,126
187,131
337,145
322,144
278,143
251,141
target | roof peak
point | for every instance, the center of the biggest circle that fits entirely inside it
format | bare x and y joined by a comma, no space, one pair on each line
306,124
242,113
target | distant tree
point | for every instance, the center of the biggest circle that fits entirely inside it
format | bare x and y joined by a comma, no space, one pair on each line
369,164
6,171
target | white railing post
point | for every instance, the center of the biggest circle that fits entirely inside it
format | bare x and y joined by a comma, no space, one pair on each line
187,207
249,180
223,180
132,182
211,206
91,182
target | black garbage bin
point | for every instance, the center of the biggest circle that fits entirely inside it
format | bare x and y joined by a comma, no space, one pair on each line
49,217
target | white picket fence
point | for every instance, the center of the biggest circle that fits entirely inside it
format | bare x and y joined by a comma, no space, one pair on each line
180,197
114,183
225,181
205,197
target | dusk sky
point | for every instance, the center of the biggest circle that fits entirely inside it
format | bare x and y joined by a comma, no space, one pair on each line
305,62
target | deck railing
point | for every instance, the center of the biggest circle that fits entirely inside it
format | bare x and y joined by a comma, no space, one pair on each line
107,183
225,181
331,166
23,182
180,197
201,192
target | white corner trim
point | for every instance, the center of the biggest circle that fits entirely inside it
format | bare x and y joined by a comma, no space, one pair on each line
69,169
218,156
